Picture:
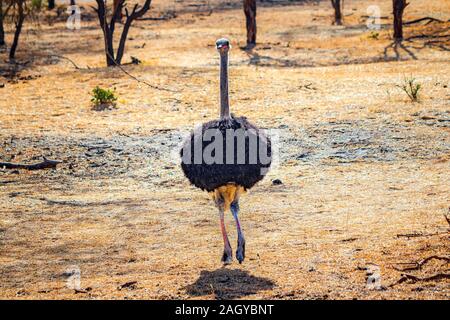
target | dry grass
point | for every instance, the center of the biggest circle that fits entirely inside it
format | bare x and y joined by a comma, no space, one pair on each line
365,172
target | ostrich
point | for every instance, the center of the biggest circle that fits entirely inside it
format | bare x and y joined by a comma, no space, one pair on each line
212,161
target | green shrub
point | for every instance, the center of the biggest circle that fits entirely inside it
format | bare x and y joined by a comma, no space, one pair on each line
103,96
411,88
36,4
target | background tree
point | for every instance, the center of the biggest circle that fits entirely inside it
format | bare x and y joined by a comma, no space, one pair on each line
2,29
250,19
19,12
5,7
337,11
398,6
115,5
108,28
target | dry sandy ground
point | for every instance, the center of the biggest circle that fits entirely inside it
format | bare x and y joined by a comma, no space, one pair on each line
365,171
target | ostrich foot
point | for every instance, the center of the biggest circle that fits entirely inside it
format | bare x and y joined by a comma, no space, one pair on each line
227,256
240,252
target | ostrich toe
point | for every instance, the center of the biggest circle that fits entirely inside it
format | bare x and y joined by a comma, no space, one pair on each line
227,257
240,252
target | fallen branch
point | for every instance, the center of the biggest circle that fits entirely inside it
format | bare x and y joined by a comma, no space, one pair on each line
423,36
166,16
415,235
430,19
418,265
36,166
8,181
78,203
130,285
367,17
71,61
414,279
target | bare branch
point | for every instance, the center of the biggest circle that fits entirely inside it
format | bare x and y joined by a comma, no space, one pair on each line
37,166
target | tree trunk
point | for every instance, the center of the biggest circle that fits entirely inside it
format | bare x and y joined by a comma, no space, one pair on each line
108,28
108,33
122,41
109,50
2,30
51,4
19,24
337,12
250,19
116,3
399,6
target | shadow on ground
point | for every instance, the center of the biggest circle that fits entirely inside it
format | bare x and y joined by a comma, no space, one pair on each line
228,284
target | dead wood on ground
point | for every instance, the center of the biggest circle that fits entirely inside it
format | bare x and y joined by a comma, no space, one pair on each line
47,163
414,279
430,19
418,265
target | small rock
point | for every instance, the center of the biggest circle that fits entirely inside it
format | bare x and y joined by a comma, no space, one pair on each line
302,155
276,182
82,290
2,85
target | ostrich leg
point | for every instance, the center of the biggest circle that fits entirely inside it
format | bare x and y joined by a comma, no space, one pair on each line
240,252
227,256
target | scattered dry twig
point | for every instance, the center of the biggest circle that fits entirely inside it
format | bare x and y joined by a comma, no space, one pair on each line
418,265
76,203
425,36
430,19
70,60
166,16
414,279
36,166
130,285
415,235
83,290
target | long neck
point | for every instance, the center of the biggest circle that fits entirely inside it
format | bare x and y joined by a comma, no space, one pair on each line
224,102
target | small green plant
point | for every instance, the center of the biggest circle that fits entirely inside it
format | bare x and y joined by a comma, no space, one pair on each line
36,4
411,88
374,35
103,96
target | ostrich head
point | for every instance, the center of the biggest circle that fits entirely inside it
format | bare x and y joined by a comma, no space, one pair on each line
223,45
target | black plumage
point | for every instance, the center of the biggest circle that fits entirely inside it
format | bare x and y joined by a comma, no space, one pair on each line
211,176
